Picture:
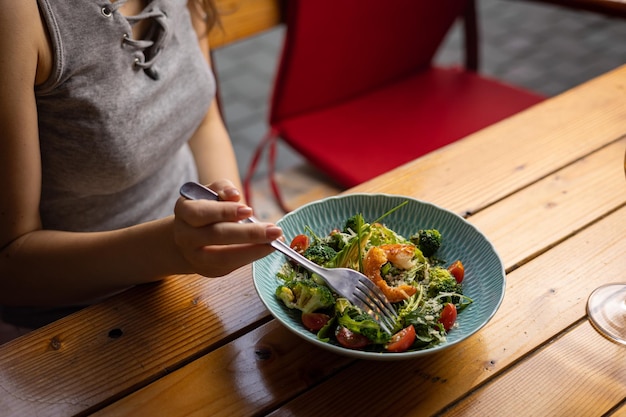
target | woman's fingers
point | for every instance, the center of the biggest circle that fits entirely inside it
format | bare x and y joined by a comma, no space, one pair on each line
212,252
228,233
215,261
225,190
212,238
199,213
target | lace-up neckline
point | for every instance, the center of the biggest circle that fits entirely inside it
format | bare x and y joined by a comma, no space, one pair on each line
154,40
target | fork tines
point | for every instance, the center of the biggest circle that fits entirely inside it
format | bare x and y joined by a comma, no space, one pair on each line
373,302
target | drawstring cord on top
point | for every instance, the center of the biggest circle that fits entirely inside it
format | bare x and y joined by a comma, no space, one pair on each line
149,50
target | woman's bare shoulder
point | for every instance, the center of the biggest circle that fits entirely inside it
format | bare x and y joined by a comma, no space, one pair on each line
22,34
19,18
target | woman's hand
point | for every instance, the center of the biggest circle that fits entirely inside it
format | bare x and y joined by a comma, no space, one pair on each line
211,239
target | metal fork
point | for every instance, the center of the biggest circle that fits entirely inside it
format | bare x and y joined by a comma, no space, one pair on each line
348,283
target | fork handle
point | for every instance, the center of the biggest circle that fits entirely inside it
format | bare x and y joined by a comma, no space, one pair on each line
195,191
286,250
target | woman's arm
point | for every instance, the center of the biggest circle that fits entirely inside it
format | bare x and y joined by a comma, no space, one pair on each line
213,150
211,143
47,267
20,168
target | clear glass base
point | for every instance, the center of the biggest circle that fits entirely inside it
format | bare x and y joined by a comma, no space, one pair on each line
606,309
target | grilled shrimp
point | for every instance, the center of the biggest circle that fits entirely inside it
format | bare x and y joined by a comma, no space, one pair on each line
400,256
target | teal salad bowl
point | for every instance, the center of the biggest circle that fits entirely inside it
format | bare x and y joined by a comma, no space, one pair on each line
484,280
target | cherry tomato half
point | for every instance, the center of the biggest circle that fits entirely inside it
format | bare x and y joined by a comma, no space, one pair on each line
314,321
300,243
351,340
402,340
448,316
457,270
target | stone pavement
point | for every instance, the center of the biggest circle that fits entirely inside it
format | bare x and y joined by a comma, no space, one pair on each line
541,47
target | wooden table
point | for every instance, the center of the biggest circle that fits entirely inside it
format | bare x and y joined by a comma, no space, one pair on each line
546,186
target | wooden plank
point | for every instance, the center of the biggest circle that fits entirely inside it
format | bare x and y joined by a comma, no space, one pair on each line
533,312
247,377
298,185
491,164
534,309
241,19
575,196
558,380
124,341
167,325
621,410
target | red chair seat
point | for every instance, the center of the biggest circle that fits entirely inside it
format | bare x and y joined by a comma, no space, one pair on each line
356,92
361,138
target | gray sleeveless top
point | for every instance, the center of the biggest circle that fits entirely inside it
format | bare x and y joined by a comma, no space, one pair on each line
114,119
116,114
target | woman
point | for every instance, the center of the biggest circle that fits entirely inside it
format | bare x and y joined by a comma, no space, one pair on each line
106,108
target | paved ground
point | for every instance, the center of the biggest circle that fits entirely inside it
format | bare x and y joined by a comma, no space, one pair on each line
541,47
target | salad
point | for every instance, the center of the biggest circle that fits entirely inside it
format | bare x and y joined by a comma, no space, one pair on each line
426,291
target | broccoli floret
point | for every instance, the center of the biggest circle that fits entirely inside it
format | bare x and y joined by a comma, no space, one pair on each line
337,240
362,323
441,280
305,295
341,305
320,254
428,241
354,224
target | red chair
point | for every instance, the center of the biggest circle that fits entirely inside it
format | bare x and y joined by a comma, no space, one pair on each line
356,92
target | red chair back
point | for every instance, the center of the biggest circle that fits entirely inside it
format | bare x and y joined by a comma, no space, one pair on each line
337,49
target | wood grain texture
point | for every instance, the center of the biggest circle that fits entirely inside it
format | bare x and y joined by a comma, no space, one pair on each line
249,376
536,311
241,19
114,347
546,186
556,206
621,410
557,380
